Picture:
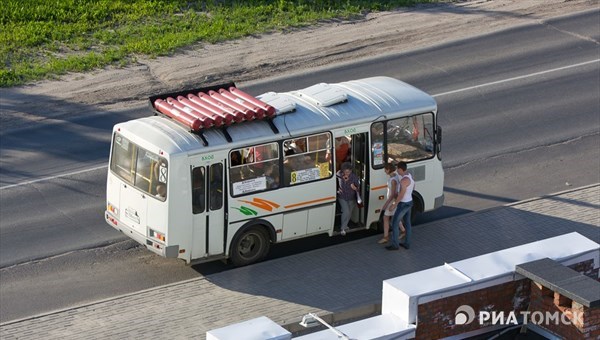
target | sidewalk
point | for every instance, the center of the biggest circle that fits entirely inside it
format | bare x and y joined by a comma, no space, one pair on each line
333,279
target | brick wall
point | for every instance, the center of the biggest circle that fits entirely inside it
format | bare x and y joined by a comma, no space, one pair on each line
582,322
435,319
586,268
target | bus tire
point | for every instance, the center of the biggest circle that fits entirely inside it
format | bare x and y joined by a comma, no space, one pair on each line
416,209
250,246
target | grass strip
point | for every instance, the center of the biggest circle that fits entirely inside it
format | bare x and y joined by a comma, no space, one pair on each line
45,39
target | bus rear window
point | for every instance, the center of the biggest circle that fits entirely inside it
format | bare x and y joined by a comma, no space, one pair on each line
141,168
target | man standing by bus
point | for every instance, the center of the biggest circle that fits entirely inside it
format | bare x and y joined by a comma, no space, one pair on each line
403,211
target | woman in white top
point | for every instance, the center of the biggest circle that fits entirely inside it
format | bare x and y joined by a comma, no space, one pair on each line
389,207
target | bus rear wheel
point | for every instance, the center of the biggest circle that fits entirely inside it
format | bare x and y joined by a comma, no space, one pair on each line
252,245
417,208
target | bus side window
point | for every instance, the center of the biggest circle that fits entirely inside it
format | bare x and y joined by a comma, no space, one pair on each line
254,168
216,186
198,195
307,159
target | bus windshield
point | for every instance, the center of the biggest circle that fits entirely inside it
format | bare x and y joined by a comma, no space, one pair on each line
139,167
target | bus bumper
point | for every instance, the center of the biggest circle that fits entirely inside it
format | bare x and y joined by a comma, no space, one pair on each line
156,247
439,201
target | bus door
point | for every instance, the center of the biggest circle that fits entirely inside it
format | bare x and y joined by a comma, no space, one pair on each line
360,167
207,210
351,148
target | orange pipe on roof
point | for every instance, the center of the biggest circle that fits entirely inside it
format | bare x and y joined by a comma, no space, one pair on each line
216,110
238,116
225,118
214,119
270,110
248,114
259,113
192,122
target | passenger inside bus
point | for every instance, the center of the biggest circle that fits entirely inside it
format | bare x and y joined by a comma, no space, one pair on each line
342,152
161,190
257,155
236,158
271,176
289,165
248,154
247,172
299,145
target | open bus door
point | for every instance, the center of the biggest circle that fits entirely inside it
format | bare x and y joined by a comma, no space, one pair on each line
357,156
208,210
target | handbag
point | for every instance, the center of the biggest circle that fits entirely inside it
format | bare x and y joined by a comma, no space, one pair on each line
359,201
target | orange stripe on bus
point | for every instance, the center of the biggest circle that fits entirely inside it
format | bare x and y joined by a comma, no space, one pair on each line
309,202
379,187
262,203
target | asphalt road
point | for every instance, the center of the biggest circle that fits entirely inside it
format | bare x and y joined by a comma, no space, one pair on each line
520,112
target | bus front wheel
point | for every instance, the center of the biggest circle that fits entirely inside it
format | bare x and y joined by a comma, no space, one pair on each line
250,246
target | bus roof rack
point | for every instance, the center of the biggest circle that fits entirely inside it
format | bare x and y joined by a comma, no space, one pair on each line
212,106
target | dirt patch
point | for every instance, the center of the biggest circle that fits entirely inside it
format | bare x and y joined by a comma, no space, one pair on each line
276,54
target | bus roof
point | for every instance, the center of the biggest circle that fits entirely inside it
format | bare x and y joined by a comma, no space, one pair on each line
317,108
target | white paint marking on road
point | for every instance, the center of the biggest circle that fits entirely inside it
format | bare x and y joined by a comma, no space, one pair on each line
435,95
515,78
53,177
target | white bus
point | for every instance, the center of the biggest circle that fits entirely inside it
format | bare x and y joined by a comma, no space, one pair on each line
218,174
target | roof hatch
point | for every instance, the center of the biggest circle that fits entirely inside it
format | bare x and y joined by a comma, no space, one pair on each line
282,104
323,95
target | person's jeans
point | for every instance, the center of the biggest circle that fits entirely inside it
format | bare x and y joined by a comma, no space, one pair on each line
402,213
346,207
